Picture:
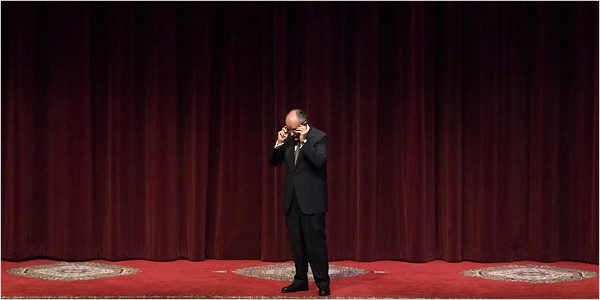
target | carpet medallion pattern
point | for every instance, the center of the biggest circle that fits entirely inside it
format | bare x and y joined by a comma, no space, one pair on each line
286,271
531,273
73,271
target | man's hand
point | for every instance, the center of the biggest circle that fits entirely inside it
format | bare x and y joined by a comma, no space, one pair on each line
282,135
302,130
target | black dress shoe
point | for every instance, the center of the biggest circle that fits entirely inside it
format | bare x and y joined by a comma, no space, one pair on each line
324,292
295,288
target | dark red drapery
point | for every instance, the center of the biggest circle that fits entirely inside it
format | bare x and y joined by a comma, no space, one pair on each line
458,131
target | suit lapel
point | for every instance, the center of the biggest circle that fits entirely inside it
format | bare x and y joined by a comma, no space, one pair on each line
289,155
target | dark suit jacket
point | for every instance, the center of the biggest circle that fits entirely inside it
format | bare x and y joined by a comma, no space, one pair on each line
309,176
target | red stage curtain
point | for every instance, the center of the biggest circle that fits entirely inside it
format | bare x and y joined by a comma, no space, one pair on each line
458,131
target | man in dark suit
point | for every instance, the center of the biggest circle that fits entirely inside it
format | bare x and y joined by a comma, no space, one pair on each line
304,150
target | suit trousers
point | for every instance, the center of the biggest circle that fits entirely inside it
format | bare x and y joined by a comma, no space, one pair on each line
307,237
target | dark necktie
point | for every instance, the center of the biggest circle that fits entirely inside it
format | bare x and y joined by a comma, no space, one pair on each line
296,151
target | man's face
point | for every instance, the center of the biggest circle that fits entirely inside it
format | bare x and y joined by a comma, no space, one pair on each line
292,126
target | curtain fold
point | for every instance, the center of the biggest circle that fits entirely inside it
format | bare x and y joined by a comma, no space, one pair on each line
458,131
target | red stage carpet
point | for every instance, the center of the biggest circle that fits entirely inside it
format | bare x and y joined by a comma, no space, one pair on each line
208,279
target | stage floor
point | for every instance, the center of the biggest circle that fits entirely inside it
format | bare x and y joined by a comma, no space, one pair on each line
378,279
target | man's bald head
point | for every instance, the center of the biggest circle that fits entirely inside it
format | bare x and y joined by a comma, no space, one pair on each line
295,118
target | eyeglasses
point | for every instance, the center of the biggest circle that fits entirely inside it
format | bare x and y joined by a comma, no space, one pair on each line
292,131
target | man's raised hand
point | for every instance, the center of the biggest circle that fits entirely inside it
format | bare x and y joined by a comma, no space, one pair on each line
282,135
302,130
